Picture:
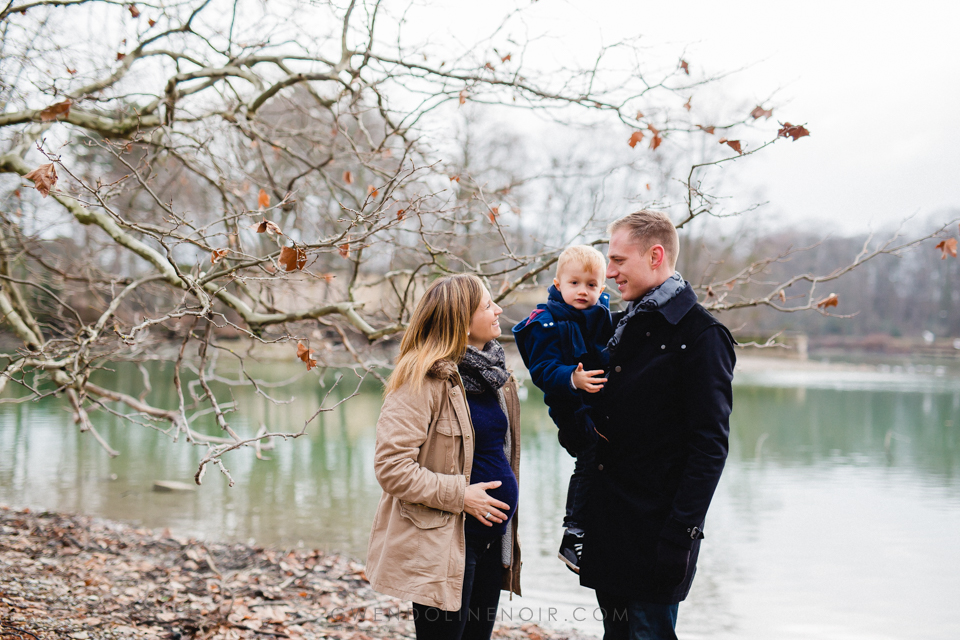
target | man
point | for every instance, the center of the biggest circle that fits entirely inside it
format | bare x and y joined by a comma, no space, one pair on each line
663,418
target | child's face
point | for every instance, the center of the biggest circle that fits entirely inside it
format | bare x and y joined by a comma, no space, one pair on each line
579,287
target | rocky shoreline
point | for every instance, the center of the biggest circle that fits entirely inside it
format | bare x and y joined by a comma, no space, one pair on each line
69,576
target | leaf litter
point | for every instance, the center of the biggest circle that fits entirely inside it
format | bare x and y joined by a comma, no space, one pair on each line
69,576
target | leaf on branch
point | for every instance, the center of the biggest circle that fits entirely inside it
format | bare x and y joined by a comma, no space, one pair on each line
639,114
348,177
489,66
72,72
263,200
44,178
686,105
685,66
832,300
709,129
58,111
493,213
292,258
463,96
655,141
648,186
120,55
344,250
455,178
134,11
795,131
151,22
759,112
730,285
217,255
306,355
372,191
635,137
733,144
400,215
267,226
653,129
505,58
948,246
782,296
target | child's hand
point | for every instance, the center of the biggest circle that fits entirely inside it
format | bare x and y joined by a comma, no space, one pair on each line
588,380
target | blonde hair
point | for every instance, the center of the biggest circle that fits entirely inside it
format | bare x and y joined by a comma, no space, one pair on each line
583,256
438,329
648,228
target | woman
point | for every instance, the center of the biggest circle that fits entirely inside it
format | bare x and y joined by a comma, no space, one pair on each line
447,457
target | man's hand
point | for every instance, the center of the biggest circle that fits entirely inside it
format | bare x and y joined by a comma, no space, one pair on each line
672,563
587,380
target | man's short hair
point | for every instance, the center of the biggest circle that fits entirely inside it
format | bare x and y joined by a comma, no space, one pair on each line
584,256
648,228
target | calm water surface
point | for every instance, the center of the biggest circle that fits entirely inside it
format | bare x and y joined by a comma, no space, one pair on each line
836,518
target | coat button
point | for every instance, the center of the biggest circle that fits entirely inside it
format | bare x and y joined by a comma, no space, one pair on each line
648,334
617,368
663,346
600,468
683,346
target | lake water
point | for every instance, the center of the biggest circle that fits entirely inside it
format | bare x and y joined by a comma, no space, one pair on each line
837,516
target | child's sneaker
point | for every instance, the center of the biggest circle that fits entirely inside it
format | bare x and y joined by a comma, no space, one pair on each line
570,548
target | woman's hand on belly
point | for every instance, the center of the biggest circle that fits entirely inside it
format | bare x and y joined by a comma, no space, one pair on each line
483,507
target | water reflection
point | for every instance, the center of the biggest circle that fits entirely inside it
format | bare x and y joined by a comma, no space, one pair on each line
835,517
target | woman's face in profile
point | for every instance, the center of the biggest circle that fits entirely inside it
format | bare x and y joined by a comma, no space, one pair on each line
485,324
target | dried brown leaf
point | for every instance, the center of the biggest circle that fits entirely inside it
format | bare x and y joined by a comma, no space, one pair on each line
709,129
655,141
463,96
133,10
685,66
686,105
782,296
348,177
263,200
733,144
759,112
59,111
306,356
44,178
947,247
372,191
292,258
832,300
635,137
344,250
505,58
794,131
217,255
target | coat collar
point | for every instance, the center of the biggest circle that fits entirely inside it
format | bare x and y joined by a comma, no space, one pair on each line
678,307
443,369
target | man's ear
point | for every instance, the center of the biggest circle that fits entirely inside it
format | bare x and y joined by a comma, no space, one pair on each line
556,283
657,254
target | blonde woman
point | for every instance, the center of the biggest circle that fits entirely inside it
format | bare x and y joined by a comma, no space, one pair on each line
447,458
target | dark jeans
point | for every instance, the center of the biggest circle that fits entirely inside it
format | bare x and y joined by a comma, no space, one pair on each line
626,619
480,600
579,489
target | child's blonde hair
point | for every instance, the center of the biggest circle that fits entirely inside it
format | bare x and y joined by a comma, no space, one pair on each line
583,256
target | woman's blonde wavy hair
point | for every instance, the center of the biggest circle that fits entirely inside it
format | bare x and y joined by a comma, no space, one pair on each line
438,329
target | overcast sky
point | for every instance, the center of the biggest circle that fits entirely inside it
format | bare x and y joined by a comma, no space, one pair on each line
877,83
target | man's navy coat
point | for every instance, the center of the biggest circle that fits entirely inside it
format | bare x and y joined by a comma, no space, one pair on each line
664,417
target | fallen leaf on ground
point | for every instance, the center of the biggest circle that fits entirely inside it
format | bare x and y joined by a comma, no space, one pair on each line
44,178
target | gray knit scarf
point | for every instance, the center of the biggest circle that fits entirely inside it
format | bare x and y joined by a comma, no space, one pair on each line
651,301
483,370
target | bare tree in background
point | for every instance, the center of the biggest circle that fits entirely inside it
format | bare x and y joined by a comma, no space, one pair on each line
221,169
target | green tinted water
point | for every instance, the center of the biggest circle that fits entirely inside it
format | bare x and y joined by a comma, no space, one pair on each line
836,516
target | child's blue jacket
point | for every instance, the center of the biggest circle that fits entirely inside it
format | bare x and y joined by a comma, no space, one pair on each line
555,337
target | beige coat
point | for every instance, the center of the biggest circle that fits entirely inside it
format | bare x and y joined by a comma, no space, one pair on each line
423,460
